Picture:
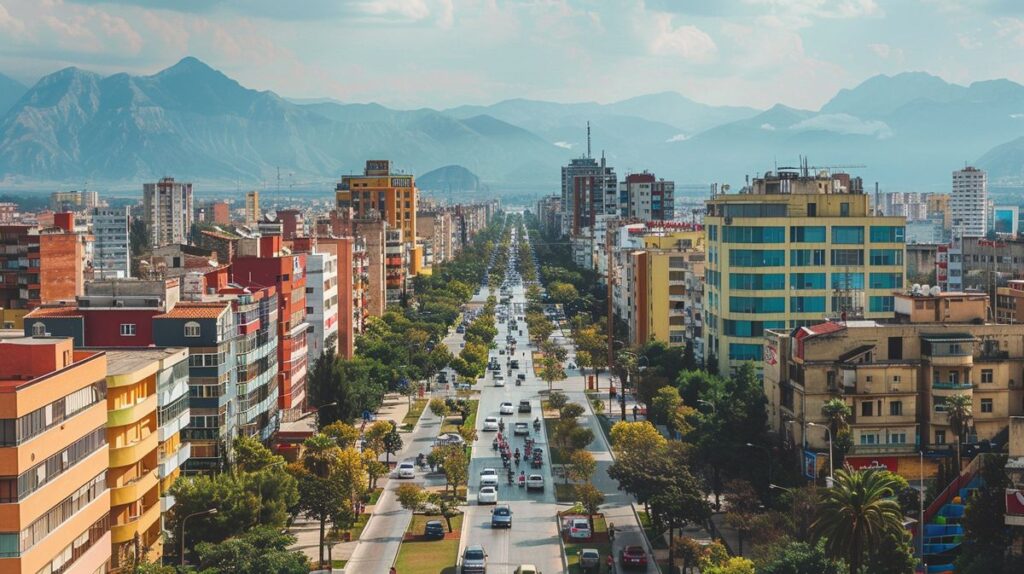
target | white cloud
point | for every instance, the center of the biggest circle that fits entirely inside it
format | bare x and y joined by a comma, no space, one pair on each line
767,127
564,145
1016,116
687,42
9,23
1010,28
677,138
844,124
881,50
967,41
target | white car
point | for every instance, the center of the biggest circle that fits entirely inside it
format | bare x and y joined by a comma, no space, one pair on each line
579,529
499,380
406,470
521,428
507,408
535,482
487,495
489,477
491,424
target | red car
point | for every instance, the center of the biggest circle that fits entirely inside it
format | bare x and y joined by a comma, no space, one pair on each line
633,556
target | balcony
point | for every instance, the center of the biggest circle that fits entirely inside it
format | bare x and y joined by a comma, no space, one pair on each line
166,503
951,360
173,426
133,490
883,449
130,454
136,525
175,461
948,386
132,413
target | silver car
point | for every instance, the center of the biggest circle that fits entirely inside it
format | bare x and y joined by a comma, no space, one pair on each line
474,560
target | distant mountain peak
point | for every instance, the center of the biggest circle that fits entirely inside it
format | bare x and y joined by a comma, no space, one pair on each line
188,64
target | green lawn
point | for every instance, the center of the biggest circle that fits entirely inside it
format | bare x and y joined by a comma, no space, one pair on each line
431,556
564,492
470,420
414,414
572,548
656,538
374,496
556,453
357,528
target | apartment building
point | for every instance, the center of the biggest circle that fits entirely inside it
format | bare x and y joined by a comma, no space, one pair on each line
61,201
39,266
791,249
167,209
895,376
391,196
292,223
55,506
969,202
589,188
647,198
334,310
111,244
322,304
252,208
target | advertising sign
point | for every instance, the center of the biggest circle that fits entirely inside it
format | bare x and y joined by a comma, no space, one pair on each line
771,355
810,464
1014,502
890,463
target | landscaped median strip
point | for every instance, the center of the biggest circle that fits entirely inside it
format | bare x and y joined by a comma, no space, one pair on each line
417,555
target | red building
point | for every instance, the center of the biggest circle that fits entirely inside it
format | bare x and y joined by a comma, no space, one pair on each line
38,266
292,225
288,274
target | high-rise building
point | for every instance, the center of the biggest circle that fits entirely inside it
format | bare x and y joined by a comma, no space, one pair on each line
53,447
213,212
789,250
340,315
61,201
252,208
111,244
969,202
643,196
372,277
167,209
321,298
391,195
53,268
589,189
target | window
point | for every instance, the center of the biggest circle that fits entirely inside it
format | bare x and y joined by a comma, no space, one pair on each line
127,329
757,281
867,438
39,330
882,304
812,234
192,329
713,233
806,280
745,352
812,209
750,328
754,210
986,375
806,257
847,257
867,409
757,257
848,235
742,234
898,438
886,257
986,405
886,280
757,304
896,408
807,304
844,209
847,280
940,437
887,234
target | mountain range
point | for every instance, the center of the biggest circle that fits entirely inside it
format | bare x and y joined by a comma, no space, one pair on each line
193,122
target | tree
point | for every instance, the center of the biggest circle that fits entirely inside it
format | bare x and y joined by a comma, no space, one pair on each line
741,515
801,558
557,400
837,412
410,496
581,466
958,412
551,369
858,513
985,536
374,467
251,455
332,481
263,549
374,435
639,437
439,408
689,551
320,455
446,506
590,497
678,502
571,411
733,565
893,555
392,443
322,499
343,434
665,405
227,492
456,466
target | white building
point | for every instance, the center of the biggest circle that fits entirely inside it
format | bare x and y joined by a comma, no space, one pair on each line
167,208
111,252
969,202
321,303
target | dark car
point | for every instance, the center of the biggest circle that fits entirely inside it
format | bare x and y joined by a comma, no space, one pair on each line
433,530
633,556
501,517
524,406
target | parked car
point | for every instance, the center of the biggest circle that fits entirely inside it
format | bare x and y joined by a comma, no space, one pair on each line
521,428
631,556
487,495
474,560
501,517
521,376
507,408
527,569
579,529
524,406
406,470
488,477
590,560
535,482
491,424
433,530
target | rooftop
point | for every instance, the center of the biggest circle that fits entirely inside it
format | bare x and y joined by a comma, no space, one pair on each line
124,361
191,310
55,311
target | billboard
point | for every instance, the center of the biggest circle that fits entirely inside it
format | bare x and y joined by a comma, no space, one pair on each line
890,463
810,464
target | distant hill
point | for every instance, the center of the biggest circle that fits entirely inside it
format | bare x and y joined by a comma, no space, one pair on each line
450,178
10,91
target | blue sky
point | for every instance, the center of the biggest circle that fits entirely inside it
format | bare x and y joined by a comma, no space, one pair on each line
439,53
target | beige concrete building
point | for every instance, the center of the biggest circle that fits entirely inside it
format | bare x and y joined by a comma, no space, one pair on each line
895,376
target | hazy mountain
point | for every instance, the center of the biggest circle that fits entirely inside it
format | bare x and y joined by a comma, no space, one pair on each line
882,95
10,91
447,179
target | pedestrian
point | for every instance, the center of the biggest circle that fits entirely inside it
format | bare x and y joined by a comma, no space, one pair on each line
610,561
636,409
393,570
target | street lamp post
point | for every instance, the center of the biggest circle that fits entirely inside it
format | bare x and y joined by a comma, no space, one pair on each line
714,409
920,510
831,469
183,521
331,404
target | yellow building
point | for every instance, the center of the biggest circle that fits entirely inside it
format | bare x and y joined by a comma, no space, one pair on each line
895,377
665,288
147,402
392,195
791,250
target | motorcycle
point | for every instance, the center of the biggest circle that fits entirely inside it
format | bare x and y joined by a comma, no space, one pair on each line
494,444
536,424
522,480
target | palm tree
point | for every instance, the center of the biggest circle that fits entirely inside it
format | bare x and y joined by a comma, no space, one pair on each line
837,412
857,514
320,455
958,411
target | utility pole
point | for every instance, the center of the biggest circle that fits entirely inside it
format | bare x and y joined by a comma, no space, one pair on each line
612,224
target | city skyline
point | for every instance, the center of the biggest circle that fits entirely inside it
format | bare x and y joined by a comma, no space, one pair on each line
739,52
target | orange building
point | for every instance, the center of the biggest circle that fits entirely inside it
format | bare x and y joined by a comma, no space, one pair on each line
54,500
392,195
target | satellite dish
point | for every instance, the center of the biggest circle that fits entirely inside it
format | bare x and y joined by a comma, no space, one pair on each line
915,288
925,289
935,291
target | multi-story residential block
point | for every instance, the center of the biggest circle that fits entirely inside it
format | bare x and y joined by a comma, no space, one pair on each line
147,406
8,212
287,273
643,196
252,208
292,223
392,196
435,228
167,209
61,201
969,202
790,250
111,245
895,376
213,212
938,208
55,506
209,332
39,266
337,320
396,264
371,263
322,303
589,188
549,214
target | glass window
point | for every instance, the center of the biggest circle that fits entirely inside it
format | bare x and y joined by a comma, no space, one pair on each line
750,328
745,352
807,257
896,408
806,280
192,329
811,234
853,235
712,233
741,234
883,304
844,209
127,329
757,281
757,257
847,257
886,280
807,304
754,210
887,257
757,304
847,280
986,405
986,375
887,234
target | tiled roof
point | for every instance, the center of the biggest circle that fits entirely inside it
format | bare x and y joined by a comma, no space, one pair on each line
825,328
190,310
61,311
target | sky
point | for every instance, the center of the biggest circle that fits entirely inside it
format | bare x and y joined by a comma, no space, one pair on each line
442,53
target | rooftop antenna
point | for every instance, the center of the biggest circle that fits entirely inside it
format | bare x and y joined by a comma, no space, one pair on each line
878,204
588,140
